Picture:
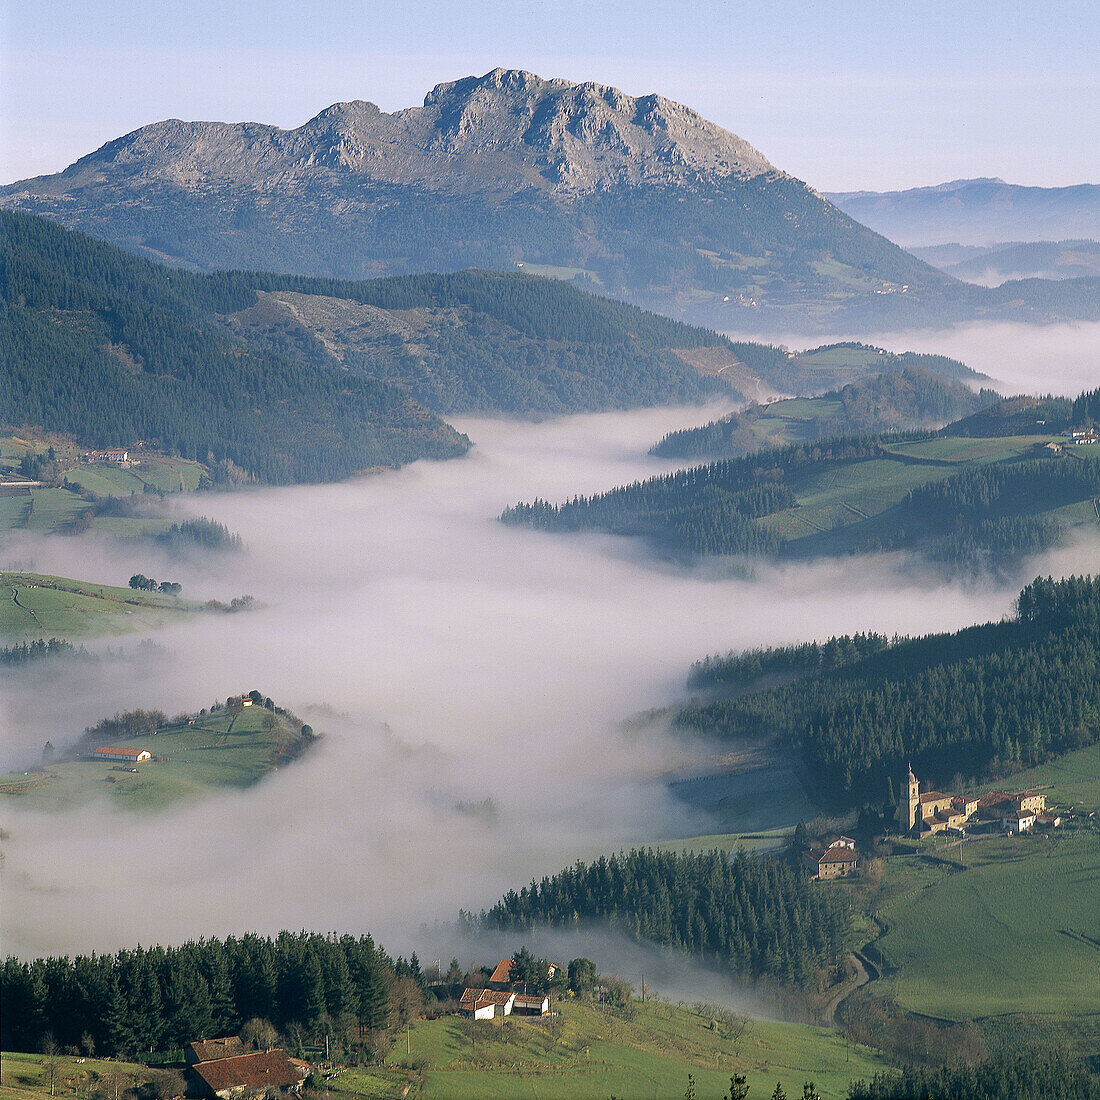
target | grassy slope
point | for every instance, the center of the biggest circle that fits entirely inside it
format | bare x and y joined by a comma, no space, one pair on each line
65,608
55,510
1010,933
224,749
834,502
596,1056
23,1076
650,1056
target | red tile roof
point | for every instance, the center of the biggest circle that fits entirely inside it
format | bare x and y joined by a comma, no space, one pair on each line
120,752
207,1049
485,996
262,1070
839,854
502,972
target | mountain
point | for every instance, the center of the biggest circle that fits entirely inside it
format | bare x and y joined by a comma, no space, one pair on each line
635,197
976,212
993,265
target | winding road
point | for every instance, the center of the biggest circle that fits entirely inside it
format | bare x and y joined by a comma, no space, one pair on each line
866,971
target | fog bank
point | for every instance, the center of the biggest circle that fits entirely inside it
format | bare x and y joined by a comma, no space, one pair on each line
1020,358
447,660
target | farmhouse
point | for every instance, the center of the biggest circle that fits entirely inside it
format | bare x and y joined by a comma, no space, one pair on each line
484,1004
114,457
933,812
127,756
838,859
225,1069
246,1075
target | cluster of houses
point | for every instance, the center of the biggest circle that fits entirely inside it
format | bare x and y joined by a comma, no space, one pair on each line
499,998
1079,435
225,1069
926,812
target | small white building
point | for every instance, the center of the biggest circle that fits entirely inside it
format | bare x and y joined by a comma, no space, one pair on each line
531,1004
127,756
117,456
1019,822
484,1004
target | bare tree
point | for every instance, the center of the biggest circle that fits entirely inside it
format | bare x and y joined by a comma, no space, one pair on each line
50,1060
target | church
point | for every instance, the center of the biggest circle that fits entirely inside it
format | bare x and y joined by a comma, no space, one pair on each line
934,811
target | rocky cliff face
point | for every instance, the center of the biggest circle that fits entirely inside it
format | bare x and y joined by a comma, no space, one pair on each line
502,132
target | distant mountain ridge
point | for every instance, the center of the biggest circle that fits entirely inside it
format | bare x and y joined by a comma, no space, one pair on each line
637,198
994,264
976,212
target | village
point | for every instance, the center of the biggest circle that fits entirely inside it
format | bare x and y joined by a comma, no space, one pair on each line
926,813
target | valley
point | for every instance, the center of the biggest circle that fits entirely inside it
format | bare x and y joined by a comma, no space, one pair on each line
674,554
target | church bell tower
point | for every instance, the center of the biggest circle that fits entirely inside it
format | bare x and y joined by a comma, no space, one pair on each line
909,804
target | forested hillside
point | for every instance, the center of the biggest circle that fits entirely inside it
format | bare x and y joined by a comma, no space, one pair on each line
970,503
479,342
976,703
112,349
910,398
750,917
163,998
298,379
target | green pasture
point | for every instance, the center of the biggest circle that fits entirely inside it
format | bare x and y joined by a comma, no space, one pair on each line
967,450
58,509
600,1055
838,497
43,510
1017,929
549,271
231,747
1074,780
838,358
23,1076
769,841
62,608
591,1054
159,472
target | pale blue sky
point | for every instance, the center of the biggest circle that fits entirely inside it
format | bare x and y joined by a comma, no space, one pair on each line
846,95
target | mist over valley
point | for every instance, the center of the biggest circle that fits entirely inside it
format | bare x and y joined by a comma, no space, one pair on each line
470,681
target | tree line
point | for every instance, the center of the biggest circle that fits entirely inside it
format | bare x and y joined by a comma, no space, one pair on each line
982,701
753,918
153,999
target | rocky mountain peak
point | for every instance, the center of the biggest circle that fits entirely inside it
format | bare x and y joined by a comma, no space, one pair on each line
584,137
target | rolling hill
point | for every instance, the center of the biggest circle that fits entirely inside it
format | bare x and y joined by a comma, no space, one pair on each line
638,198
290,379
966,500
907,398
